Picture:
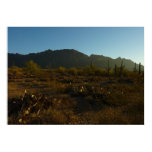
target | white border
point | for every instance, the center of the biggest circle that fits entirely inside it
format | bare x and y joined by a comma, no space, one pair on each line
76,13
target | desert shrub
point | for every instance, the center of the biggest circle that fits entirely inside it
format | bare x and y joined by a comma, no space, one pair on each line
14,71
94,71
53,116
60,87
133,74
88,70
73,71
15,68
32,67
55,86
61,70
118,71
45,74
125,73
99,71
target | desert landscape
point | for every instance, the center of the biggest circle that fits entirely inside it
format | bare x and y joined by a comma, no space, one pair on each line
76,75
88,95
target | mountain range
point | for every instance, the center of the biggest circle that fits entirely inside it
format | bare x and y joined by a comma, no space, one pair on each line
67,58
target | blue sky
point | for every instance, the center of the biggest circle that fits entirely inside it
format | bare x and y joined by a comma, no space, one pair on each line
125,42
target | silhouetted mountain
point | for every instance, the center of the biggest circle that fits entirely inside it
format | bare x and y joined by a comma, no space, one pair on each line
66,58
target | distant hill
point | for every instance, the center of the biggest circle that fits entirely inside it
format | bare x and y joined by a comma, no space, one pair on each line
67,58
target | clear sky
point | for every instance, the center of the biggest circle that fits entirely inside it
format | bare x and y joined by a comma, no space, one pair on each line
125,42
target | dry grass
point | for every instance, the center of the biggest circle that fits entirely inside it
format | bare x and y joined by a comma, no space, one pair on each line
73,96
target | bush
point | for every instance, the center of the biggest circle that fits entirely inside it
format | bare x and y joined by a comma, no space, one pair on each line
61,69
15,71
73,71
32,67
94,71
88,70
100,72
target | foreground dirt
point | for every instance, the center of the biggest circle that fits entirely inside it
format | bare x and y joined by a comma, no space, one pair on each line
59,98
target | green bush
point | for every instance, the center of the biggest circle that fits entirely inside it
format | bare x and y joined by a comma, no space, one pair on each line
32,67
73,71
88,70
99,72
61,70
14,70
94,71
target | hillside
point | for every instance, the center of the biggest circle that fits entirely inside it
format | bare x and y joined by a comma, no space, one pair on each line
67,58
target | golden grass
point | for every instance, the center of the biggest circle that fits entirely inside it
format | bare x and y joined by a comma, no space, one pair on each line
71,96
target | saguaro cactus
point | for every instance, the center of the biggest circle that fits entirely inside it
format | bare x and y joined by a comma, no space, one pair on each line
135,70
121,68
108,68
91,65
139,68
115,69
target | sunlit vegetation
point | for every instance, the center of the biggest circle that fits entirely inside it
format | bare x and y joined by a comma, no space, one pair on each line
87,95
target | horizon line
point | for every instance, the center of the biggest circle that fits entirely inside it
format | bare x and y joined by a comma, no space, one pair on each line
74,50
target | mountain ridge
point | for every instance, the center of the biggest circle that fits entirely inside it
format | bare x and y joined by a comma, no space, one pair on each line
67,58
